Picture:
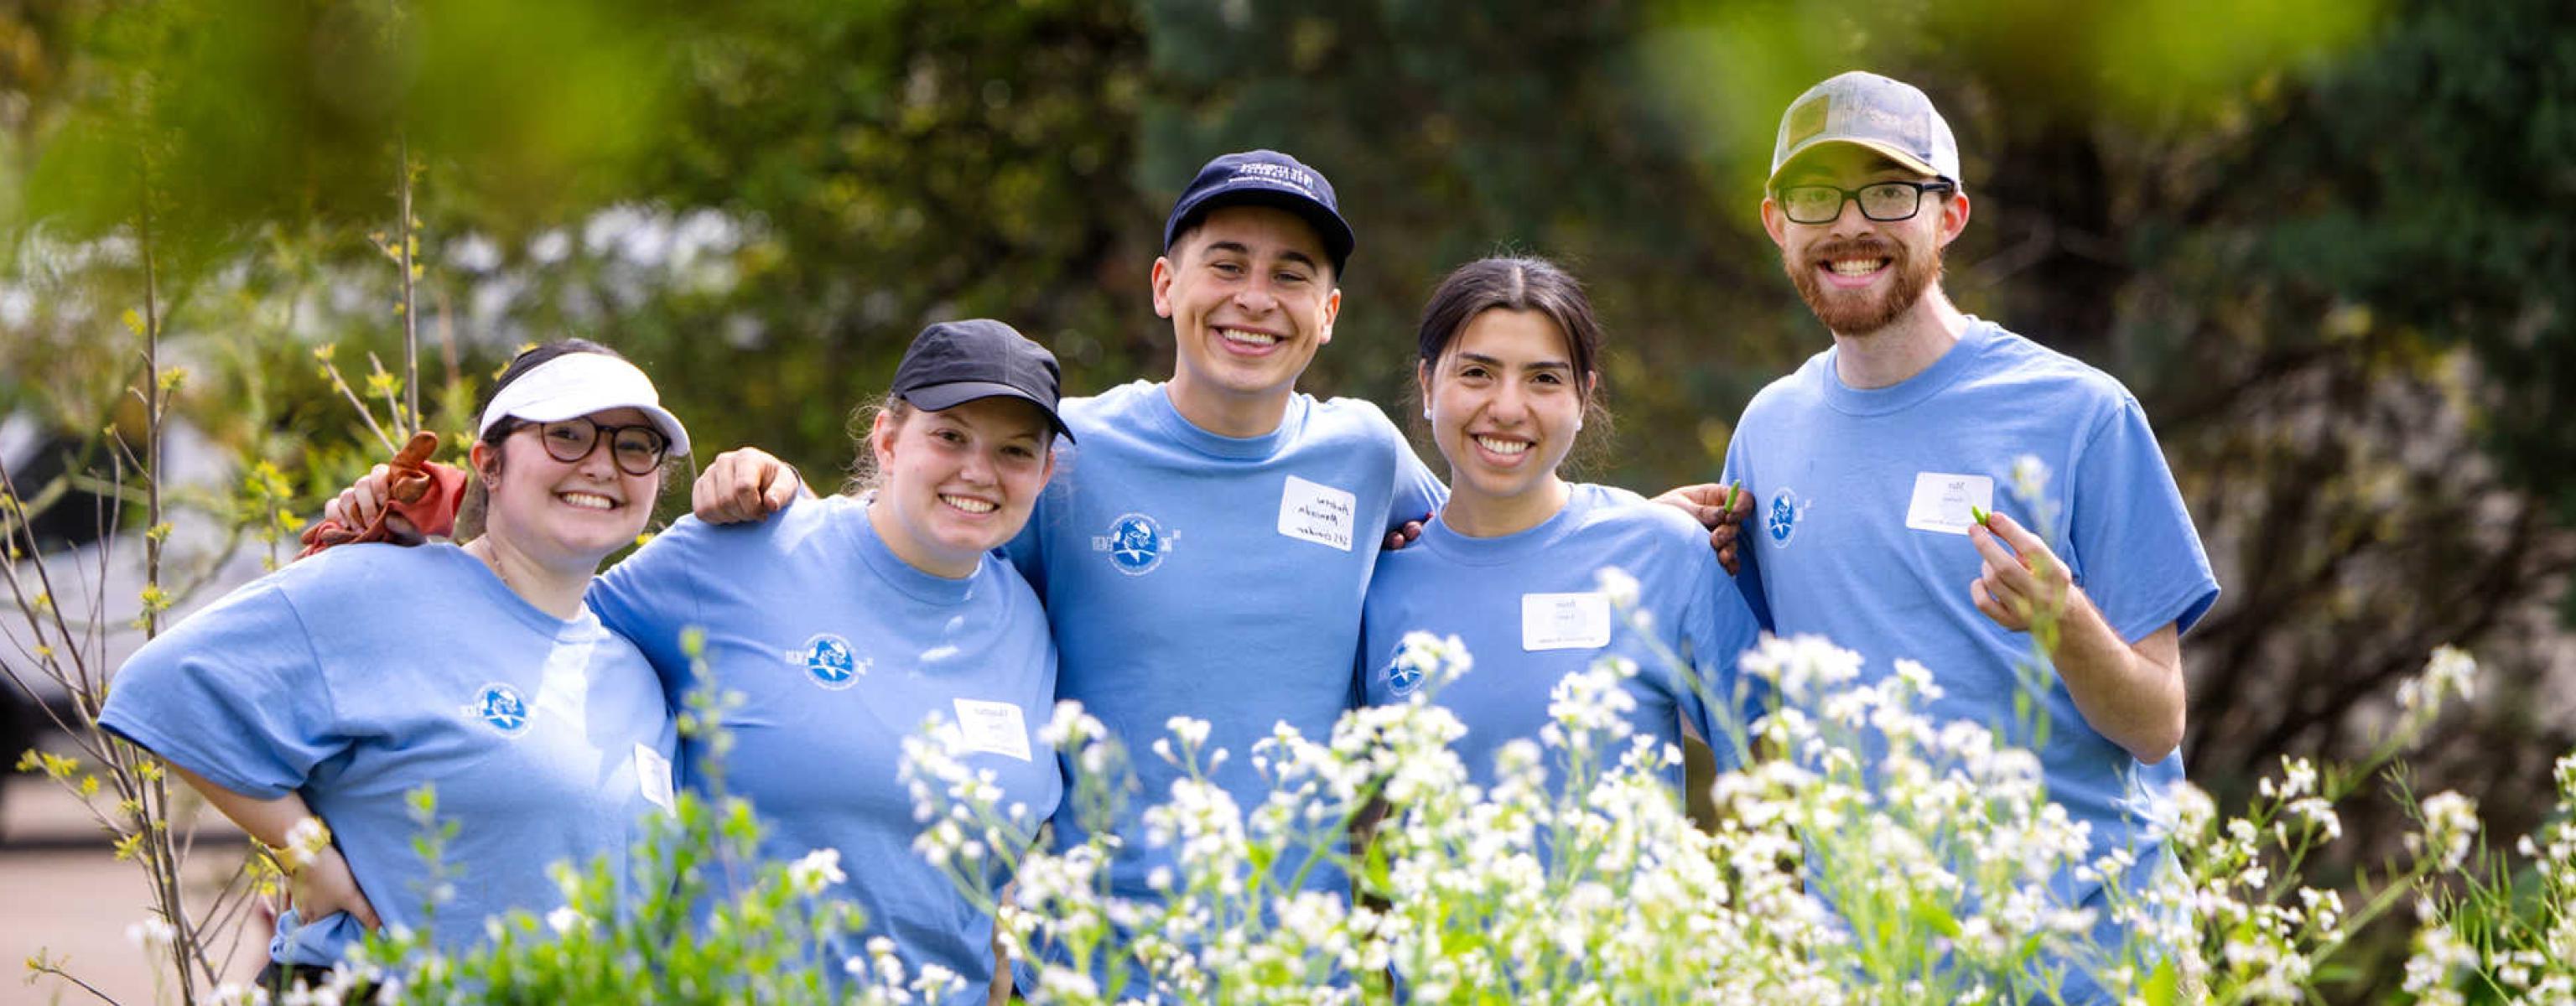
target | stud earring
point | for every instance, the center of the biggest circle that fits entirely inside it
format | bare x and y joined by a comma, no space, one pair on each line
1426,412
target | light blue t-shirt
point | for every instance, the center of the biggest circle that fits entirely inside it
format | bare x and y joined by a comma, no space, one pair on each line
361,674
1859,534
1530,610
840,650
1191,574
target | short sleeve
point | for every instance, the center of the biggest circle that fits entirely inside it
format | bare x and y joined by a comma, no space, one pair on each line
1747,587
1026,551
1721,628
2136,553
233,693
1417,491
649,599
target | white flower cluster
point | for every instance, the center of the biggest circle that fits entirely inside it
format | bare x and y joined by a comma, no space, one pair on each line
1868,848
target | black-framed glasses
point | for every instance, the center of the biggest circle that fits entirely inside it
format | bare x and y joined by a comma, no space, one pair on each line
637,450
1885,202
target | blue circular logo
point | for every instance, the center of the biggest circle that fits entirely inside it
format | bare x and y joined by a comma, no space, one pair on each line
1136,544
1403,676
830,662
1783,520
500,705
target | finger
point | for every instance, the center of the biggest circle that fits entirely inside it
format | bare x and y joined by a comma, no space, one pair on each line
2002,586
1742,510
399,530
334,510
1986,603
365,913
2011,569
782,490
1726,557
1699,501
2014,534
743,497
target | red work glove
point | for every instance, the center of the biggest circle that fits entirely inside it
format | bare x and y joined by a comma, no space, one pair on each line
424,492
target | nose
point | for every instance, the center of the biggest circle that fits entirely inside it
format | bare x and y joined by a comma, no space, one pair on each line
1256,297
978,468
1509,404
600,462
1849,221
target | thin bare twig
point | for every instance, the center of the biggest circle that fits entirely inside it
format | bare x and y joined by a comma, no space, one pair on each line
411,322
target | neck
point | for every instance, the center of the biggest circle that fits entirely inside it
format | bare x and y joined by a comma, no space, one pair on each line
1228,414
1477,515
899,540
1906,347
554,590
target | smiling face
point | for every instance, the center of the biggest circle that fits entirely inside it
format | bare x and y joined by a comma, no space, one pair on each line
1861,275
1250,294
1506,404
956,484
565,514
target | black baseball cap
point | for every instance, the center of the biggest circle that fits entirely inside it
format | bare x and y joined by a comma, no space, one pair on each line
955,362
1264,178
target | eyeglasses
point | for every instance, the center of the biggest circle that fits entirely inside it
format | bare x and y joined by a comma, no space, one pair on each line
638,450
1885,202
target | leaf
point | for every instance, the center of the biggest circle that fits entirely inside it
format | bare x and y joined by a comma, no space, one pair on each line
2164,984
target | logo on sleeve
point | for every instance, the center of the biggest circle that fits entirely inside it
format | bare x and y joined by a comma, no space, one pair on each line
828,660
502,707
1135,543
1782,520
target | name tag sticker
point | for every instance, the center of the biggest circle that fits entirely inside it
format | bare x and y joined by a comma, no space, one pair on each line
1564,621
1316,512
653,776
994,727
1941,501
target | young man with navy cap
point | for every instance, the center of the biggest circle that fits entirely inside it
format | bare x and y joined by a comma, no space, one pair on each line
1209,555
1868,470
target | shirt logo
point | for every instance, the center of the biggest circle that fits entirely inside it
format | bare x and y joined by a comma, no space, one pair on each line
1404,676
828,660
1135,543
500,705
1782,522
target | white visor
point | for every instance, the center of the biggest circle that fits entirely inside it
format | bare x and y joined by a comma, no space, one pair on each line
578,384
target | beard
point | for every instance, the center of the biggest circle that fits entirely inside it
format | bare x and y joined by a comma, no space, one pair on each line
1852,312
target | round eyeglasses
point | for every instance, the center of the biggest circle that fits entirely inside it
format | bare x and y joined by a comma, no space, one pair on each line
1885,202
637,450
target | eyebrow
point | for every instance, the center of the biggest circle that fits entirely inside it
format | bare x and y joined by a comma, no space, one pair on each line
1467,357
1239,248
1879,164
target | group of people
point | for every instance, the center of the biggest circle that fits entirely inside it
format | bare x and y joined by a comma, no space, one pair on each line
1229,550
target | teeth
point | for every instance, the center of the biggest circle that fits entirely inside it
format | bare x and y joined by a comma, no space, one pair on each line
1502,446
589,501
1855,267
1247,338
968,505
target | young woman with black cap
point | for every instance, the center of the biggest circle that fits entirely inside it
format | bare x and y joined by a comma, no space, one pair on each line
844,625
333,688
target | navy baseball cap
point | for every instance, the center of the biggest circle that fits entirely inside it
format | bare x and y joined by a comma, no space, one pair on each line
955,362
1264,178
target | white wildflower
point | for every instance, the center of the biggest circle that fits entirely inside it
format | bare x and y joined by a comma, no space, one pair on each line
151,934
819,869
1617,586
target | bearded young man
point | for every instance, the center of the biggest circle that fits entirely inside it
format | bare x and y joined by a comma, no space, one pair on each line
1868,467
